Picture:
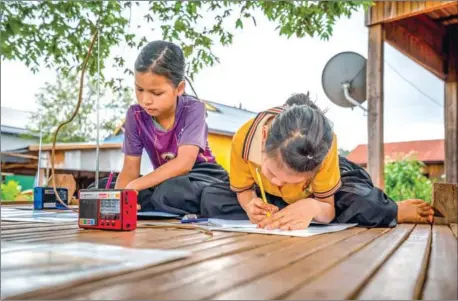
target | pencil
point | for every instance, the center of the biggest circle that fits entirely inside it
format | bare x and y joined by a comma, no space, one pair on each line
263,194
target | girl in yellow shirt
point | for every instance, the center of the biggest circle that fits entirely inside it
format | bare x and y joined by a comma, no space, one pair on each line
295,150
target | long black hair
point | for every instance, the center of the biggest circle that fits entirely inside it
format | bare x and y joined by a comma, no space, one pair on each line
301,135
166,59
162,58
302,99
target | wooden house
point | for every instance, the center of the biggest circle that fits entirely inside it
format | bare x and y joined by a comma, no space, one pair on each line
426,32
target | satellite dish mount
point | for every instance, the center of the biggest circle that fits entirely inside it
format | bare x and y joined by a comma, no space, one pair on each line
346,90
344,80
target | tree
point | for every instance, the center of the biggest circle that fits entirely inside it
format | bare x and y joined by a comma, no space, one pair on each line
57,34
343,152
57,101
404,179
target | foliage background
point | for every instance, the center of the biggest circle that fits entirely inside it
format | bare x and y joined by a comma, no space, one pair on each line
404,179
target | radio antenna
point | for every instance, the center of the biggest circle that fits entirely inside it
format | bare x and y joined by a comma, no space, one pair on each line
37,181
97,151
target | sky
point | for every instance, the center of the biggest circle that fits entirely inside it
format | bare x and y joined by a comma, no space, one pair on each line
261,69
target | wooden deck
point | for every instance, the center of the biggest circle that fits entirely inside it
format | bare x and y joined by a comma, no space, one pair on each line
407,262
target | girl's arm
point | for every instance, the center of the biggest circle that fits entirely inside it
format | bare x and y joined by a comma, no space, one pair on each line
299,214
181,165
193,139
325,210
245,197
254,206
130,171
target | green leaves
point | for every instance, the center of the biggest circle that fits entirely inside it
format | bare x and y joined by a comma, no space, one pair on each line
57,101
57,33
239,24
10,190
404,179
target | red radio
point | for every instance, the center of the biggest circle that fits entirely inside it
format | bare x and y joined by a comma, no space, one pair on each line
107,209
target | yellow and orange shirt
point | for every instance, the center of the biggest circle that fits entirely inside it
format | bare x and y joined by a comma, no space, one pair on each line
246,157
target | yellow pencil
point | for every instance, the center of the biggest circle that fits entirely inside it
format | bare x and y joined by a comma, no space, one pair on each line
263,194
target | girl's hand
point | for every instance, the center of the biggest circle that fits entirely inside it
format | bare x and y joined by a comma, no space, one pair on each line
296,216
257,210
131,186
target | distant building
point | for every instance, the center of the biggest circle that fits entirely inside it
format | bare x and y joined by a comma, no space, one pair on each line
13,125
222,120
430,152
79,159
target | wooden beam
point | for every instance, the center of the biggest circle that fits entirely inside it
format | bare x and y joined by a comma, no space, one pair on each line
375,104
448,20
18,165
421,40
388,11
445,201
451,107
75,146
19,155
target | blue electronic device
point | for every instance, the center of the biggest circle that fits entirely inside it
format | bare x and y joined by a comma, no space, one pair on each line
44,198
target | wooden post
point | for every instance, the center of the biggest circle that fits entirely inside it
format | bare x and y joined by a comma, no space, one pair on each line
451,107
445,201
375,105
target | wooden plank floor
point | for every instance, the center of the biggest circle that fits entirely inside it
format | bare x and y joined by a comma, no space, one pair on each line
407,262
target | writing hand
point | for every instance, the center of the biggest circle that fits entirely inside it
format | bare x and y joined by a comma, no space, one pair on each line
296,216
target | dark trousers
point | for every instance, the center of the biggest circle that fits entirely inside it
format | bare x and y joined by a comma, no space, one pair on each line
357,201
181,195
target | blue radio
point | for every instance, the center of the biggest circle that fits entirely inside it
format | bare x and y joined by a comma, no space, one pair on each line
44,198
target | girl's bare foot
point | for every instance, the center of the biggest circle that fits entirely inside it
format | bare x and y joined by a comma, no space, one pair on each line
414,211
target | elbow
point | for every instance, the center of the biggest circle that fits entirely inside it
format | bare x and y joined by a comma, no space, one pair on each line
328,218
186,166
325,219
326,212
185,170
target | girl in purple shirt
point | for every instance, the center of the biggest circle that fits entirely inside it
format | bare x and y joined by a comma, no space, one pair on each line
170,126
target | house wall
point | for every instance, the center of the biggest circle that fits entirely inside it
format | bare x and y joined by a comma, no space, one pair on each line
9,142
112,159
435,171
221,148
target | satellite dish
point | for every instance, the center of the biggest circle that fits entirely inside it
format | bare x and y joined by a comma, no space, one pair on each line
344,80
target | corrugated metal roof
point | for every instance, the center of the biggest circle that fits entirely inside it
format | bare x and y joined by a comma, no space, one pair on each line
13,118
228,120
423,150
12,130
225,122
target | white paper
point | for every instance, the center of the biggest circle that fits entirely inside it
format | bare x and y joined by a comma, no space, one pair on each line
225,223
39,216
313,229
25,268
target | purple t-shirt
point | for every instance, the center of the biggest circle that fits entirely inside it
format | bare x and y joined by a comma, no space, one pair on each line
189,128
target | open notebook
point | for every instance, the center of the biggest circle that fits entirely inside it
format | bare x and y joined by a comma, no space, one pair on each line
225,223
247,227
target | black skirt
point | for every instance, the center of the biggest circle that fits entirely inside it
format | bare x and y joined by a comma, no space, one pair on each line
357,201
181,195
